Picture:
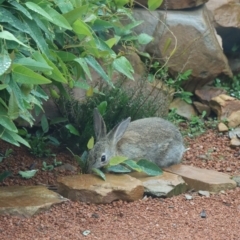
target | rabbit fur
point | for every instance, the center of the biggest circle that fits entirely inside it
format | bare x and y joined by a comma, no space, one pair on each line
153,138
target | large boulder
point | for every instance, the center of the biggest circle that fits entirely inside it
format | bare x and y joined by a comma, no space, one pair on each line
191,42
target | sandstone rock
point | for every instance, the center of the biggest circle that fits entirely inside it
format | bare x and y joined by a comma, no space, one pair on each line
226,12
173,4
226,108
182,108
235,142
206,93
27,200
202,179
197,47
91,188
165,185
222,127
202,108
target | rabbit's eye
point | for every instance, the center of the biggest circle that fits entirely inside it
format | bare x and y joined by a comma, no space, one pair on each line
103,158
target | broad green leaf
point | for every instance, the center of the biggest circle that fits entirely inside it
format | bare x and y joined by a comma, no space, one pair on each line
36,8
101,25
13,110
66,56
144,38
80,27
20,8
5,121
20,139
8,136
25,75
84,156
4,175
58,19
44,123
5,62
9,36
58,120
64,5
72,129
117,160
89,92
28,174
149,168
97,67
123,66
112,41
80,162
119,169
133,165
34,65
84,66
3,86
154,4
90,143
56,74
99,173
121,31
102,107
75,14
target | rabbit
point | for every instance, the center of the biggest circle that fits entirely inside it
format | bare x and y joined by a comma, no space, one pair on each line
154,139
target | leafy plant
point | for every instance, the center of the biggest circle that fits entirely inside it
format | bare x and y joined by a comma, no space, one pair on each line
4,175
7,153
56,43
50,167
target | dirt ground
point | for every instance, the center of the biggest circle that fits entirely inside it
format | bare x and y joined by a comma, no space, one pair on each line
147,219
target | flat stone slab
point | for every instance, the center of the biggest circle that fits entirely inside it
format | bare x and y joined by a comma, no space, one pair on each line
203,179
165,185
91,188
27,200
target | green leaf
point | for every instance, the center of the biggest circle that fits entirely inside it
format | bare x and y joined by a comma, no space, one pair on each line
84,66
119,169
154,4
149,168
56,74
97,67
123,66
3,86
99,173
28,174
5,62
13,110
102,107
90,143
167,44
36,8
44,124
144,38
75,14
4,175
58,19
117,160
25,75
66,56
9,36
80,27
20,8
72,129
34,65
133,165
6,122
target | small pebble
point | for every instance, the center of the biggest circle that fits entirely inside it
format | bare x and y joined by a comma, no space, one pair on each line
203,214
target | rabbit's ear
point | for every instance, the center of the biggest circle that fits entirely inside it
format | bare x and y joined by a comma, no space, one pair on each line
99,125
117,132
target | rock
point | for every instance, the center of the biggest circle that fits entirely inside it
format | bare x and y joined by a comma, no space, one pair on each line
226,108
226,12
188,197
182,108
202,107
203,55
206,93
66,167
91,188
234,133
204,193
27,200
237,180
165,185
235,142
222,127
173,4
202,179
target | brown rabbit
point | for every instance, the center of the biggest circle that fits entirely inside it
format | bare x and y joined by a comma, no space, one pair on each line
153,138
